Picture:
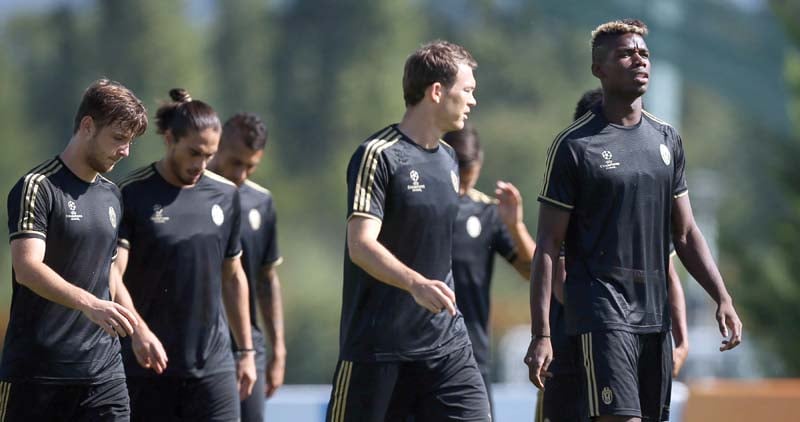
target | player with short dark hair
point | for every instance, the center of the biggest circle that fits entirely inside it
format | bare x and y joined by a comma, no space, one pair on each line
563,401
484,227
61,358
241,148
180,256
404,349
616,193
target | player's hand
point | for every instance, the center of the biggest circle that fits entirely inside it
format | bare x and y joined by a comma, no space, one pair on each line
434,296
113,318
509,207
245,373
276,368
728,320
149,351
538,359
679,354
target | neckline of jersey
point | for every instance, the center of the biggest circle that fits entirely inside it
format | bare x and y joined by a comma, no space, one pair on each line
75,176
598,111
163,179
408,139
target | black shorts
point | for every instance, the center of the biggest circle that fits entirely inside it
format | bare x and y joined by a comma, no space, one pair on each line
449,388
31,401
210,398
562,400
252,408
627,374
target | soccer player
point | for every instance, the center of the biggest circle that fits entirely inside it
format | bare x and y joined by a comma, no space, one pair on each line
404,348
241,148
484,226
61,359
615,190
563,401
179,253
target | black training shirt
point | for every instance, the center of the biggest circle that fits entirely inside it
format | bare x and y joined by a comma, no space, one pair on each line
45,341
413,191
178,240
618,183
259,250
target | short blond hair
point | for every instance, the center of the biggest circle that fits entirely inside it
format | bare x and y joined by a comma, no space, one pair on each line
613,29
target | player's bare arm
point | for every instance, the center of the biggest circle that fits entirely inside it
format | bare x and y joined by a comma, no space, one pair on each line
236,300
509,208
680,332
146,346
693,251
269,299
550,234
375,259
27,257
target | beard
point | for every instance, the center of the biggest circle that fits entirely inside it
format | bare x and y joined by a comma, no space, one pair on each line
96,160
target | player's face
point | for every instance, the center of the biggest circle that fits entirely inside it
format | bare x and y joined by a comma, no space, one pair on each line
236,161
626,67
107,146
458,99
188,156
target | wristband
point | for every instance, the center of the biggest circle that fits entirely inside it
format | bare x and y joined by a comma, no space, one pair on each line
245,350
534,336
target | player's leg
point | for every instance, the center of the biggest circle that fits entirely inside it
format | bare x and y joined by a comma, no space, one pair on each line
252,408
106,402
455,389
655,376
564,398
610,373
362,391
212,398
154,398
27,401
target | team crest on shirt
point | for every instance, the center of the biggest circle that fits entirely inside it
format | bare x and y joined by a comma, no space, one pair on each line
217,216
607,395
255,218
609,163
158,216
474,226
666,157
112,217
415,185
454,179
73,212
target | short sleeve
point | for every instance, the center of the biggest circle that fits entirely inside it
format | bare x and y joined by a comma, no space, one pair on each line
501,239
272,256
679,185
561,176
234,246
29,207
367,181
126,224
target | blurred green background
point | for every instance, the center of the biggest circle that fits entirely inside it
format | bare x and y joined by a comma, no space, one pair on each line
324,74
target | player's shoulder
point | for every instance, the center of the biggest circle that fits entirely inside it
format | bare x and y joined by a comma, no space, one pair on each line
252,188
107,184
218,181
137,176
481,198
658,123
448,148
380,140
582,129
42,171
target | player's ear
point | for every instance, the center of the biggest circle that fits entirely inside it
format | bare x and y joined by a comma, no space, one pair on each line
169,138
87,126
435,92
597,71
